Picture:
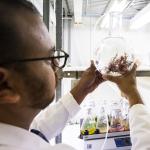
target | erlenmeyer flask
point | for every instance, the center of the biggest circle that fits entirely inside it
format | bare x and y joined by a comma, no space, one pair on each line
113,55
89,123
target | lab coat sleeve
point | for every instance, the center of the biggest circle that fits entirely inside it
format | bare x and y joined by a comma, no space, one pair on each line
139,118
52,120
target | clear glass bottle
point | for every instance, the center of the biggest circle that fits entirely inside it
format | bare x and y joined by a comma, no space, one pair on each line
116,120
125,111
102,120
113,48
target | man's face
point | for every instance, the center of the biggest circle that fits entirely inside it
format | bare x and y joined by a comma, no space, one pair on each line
38,88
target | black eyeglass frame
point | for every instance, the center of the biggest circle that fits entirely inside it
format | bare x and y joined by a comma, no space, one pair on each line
40,59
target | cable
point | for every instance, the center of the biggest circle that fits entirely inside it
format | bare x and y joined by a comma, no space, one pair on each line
106,135
94,30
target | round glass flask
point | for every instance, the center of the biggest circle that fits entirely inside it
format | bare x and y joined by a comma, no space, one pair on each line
113,55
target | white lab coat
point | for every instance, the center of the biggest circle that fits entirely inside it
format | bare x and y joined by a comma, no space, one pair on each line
139,118
50,122
53,119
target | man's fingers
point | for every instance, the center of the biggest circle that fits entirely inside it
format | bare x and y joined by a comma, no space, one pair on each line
133,70
92,65
99,76
92,62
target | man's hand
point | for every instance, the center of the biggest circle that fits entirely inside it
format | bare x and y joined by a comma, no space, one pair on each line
89,81
127,85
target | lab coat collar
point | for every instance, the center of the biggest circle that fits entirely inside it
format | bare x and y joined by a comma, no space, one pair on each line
19,137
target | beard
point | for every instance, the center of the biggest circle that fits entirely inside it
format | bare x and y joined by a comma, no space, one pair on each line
40,91
44,95
39,84
42,105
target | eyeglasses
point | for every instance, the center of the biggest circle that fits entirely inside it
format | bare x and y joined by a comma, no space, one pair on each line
58,59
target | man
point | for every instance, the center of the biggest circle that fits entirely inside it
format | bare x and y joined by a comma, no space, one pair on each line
27,85
139,115
28,64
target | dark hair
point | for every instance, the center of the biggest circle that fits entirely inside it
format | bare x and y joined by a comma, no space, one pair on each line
10,42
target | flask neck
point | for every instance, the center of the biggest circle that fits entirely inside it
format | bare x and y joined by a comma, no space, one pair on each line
115,24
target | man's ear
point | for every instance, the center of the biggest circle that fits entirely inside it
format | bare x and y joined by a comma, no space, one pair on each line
7,92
